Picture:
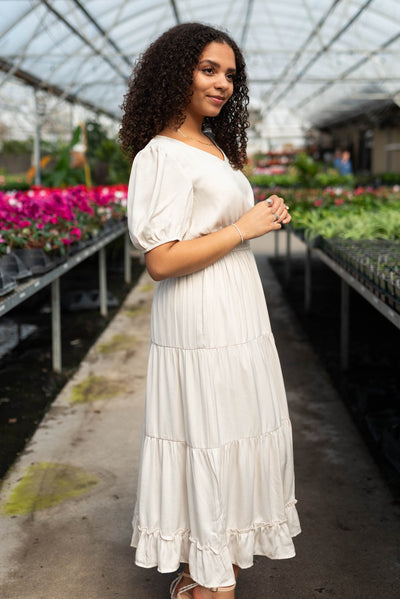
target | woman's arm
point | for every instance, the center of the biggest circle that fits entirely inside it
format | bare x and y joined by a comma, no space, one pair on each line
178,258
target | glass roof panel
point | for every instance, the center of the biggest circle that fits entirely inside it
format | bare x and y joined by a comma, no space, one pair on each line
304,56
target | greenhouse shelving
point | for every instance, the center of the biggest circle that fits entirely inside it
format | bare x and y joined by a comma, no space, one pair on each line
348,280
26,289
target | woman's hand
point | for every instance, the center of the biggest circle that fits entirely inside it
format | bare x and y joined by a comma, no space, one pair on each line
268,215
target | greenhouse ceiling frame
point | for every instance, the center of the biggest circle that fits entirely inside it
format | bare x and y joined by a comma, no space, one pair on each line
310,49
44,85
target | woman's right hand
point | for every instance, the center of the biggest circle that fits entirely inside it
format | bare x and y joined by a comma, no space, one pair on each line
267,215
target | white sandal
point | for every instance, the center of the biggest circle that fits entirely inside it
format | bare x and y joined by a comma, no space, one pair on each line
182,594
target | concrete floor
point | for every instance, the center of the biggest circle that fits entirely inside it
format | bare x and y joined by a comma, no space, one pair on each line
79,549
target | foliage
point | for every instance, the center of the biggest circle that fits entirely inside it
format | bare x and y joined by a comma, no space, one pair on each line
107,162
337,213
272,181
118,168
13,183
14,147
322,179
350,224
389,178
62,173
307,168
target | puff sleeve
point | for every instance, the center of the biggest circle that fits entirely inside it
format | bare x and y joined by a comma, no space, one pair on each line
160,198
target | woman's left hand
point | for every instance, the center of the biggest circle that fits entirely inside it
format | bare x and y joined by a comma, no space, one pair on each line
279,208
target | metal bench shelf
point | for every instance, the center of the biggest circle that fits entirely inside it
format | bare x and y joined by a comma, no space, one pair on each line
28,288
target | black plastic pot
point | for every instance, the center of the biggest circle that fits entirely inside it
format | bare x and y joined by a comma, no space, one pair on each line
7,284
13,266
36,260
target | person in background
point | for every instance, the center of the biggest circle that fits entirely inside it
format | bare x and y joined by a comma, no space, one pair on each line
345,165
337,159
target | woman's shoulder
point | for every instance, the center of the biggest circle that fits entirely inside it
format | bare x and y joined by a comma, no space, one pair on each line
159,157
163,147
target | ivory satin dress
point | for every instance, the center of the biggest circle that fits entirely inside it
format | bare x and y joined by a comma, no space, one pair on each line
216,478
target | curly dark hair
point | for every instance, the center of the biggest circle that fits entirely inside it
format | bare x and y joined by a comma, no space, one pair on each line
160,90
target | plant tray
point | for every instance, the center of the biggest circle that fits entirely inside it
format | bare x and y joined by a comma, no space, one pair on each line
36,260
13,266
7,284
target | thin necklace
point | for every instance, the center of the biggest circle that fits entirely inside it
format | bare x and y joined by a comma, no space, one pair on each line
205,143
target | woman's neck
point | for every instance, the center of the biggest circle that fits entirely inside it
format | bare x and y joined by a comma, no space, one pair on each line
192,126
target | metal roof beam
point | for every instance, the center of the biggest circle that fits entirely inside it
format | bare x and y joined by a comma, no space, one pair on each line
246,22
103,32
313,33
314,80
84,39
316,56
347,72
176,13
37,83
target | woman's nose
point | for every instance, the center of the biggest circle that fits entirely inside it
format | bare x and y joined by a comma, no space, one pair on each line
221,82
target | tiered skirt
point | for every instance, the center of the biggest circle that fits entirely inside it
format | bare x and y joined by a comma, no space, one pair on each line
216,477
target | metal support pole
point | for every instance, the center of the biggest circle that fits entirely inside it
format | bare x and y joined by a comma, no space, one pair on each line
307,281
276,239
56,324
288,256
127,258
36,141
344,324
103,282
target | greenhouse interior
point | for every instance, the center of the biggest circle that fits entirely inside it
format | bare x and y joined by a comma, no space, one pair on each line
75,297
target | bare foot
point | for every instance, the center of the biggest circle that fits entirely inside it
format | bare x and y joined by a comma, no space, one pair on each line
203,593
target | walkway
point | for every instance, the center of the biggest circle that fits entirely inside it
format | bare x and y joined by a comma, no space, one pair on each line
86,452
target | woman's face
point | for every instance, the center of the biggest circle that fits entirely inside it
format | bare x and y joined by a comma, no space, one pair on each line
212,81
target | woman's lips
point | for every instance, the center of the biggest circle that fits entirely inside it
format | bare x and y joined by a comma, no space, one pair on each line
217,100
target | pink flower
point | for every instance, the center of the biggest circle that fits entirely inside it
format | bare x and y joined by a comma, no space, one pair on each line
76,232
318,203
339,201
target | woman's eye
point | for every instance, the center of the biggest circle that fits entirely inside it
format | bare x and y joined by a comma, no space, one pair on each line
208,70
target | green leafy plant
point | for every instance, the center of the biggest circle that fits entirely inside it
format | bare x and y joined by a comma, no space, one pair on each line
62,175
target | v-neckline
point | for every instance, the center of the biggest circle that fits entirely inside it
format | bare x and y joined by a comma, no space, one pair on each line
223,160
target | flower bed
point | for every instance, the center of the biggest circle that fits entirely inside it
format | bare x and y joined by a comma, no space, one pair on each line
363,213
53,219
359,228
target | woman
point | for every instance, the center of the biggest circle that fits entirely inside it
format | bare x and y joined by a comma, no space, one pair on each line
216,482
